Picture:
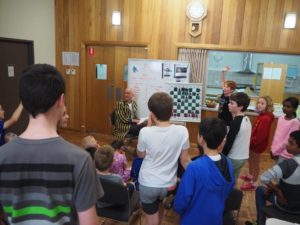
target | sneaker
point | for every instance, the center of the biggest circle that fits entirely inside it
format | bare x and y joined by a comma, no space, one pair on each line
249,186
247,177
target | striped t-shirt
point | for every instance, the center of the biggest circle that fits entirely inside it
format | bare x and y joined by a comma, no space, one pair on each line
288,174
46,181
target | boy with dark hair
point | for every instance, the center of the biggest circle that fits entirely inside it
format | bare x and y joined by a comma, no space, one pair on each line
43,176
241,99
160,146
238,138
284,195
207,181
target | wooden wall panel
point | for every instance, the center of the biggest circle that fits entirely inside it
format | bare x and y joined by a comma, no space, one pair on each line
213,30
121,59
255,25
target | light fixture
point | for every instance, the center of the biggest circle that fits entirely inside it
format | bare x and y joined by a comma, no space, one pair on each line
290,20
116,18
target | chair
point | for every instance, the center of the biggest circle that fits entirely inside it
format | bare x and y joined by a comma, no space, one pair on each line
112,118
232,207
272,211
122,206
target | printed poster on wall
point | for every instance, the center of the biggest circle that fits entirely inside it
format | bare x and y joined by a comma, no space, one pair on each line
147,76
101,71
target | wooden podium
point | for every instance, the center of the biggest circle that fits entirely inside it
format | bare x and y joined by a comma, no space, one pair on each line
273,81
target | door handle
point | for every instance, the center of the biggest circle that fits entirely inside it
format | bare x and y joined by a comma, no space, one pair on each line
110,92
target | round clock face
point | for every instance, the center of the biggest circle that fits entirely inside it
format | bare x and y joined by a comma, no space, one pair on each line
196,10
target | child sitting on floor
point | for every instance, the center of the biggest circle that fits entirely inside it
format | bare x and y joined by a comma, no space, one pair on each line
120,161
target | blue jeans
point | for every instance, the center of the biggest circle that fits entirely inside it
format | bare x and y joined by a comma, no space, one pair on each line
260,200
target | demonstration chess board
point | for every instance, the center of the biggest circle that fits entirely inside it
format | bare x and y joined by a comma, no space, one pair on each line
187,100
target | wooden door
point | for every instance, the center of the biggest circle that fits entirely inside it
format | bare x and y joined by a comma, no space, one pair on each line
101,95
16,55
99,92
273,81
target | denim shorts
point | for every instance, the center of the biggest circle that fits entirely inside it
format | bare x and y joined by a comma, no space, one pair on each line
151,197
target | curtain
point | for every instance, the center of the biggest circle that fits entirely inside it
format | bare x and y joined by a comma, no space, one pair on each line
198,62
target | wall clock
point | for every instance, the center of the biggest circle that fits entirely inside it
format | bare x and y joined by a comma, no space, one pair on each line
196,11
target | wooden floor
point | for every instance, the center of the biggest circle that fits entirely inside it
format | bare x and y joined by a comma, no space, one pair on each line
247,211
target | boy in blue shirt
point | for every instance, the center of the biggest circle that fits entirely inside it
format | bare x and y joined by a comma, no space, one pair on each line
207,181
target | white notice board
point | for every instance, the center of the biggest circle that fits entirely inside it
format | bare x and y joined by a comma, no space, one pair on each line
147,76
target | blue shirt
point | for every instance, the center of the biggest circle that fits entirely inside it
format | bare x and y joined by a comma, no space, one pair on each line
203,189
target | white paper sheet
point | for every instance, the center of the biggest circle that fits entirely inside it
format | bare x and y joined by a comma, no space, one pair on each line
267,73
276,73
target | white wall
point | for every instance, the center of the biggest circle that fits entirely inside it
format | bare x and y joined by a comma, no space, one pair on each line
30,20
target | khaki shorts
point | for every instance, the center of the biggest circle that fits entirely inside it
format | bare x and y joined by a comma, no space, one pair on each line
151,197
237,165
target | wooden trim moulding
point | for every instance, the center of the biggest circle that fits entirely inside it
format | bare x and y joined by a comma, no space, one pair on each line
238,48
116,43
83,82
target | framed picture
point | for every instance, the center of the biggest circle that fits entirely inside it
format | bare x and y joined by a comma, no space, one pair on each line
181,71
